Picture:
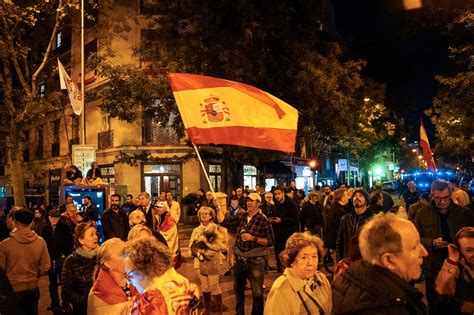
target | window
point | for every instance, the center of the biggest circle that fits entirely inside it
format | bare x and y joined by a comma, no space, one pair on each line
59,39
155,134
215,175
39,142
250,176
108,173
89,50
75,130
55,129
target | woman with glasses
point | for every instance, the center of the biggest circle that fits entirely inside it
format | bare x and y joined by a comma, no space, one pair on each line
110,293
302,289
207,243
78,269
148,267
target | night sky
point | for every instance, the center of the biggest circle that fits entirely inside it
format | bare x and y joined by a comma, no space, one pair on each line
377,31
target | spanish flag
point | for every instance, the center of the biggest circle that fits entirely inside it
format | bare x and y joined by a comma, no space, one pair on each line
218,111
425,146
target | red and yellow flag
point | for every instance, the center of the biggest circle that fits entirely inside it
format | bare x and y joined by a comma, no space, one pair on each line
425,146
218,111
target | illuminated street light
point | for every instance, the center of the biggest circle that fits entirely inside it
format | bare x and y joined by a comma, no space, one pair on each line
378,171
366,99
313,164
420,157
413,150
404,139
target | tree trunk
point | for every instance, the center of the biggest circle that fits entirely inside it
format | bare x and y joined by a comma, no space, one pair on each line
15,159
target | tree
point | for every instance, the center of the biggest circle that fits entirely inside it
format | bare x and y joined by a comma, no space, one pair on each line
279,47
27,34
453,107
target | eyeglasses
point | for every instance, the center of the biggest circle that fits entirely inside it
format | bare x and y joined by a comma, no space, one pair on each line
445,198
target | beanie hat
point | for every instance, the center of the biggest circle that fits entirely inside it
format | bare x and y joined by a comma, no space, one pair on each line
24,216
362,192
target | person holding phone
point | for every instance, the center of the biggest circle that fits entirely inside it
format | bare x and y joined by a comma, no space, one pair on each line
454,282
438,224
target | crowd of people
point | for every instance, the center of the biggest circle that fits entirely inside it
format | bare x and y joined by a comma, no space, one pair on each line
379,250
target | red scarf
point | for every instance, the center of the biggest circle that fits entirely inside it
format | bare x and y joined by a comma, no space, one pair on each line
107,289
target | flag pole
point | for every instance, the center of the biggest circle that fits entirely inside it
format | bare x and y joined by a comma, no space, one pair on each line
83,76
205,172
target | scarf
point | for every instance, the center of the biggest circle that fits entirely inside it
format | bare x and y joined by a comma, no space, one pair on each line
107,289
87,254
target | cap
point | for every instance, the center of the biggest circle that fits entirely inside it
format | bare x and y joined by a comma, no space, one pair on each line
254,196
24,216
363,193
55,213
160,204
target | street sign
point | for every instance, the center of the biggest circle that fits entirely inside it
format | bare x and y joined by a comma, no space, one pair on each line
83,156
342,164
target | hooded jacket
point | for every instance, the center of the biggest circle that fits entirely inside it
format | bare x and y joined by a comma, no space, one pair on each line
24,257
371,289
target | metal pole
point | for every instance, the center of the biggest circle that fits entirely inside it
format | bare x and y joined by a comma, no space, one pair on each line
204,170
83,76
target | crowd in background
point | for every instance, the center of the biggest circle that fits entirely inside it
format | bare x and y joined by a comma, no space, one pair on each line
378,251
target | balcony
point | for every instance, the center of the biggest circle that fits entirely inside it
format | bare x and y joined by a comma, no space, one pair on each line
160,136
105,139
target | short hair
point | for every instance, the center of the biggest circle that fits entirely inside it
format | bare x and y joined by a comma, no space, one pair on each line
213,213
70,206
339,193
375,195
298,241
234,198
130,196
145,194
379,236
80,231
280,188
169,192
105,252
116,195
439,185
462,195
148,256
88,197
135,231
465,232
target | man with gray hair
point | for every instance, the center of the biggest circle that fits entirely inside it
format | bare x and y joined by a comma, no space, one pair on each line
438,224
379,283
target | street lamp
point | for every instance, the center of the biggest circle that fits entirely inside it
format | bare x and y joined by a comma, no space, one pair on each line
366,99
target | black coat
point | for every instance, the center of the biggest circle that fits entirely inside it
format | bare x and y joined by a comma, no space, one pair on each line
60,242
370,289
115,224
77,280
350,224
92,213
332,224
288,212
311,216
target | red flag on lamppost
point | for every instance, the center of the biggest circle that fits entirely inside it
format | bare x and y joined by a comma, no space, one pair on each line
425,146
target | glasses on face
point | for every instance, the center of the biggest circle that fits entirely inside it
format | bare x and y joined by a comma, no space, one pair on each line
445,198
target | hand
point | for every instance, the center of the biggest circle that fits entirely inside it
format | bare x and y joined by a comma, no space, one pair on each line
246,237
202,238
276,219
439,243
453,252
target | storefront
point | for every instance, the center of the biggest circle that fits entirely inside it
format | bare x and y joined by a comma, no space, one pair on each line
250,176
304,178
162,178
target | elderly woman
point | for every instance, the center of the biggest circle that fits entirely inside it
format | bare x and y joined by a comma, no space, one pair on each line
142,231
78,268
207,243
168,227
302,289
110,293
162,290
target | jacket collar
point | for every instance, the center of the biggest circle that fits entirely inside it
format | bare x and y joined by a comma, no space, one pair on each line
298,284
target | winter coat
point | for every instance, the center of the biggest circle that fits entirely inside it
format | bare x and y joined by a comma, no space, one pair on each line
332,224
115,224
427,222
24,257
284,298
60,241
77,280
350,223
370,289
288,211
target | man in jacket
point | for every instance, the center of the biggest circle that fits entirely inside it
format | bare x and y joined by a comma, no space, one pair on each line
411,195
145,203
287,221
455,281
438,224
24,257
60,244
251,252
336,212
311,217
90,210
379,283
114,221
351,222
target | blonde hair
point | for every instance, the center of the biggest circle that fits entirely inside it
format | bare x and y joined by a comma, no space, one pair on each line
213,213
105,252
135,231
460,197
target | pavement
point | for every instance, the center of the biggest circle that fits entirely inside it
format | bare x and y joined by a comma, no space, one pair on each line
187,270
